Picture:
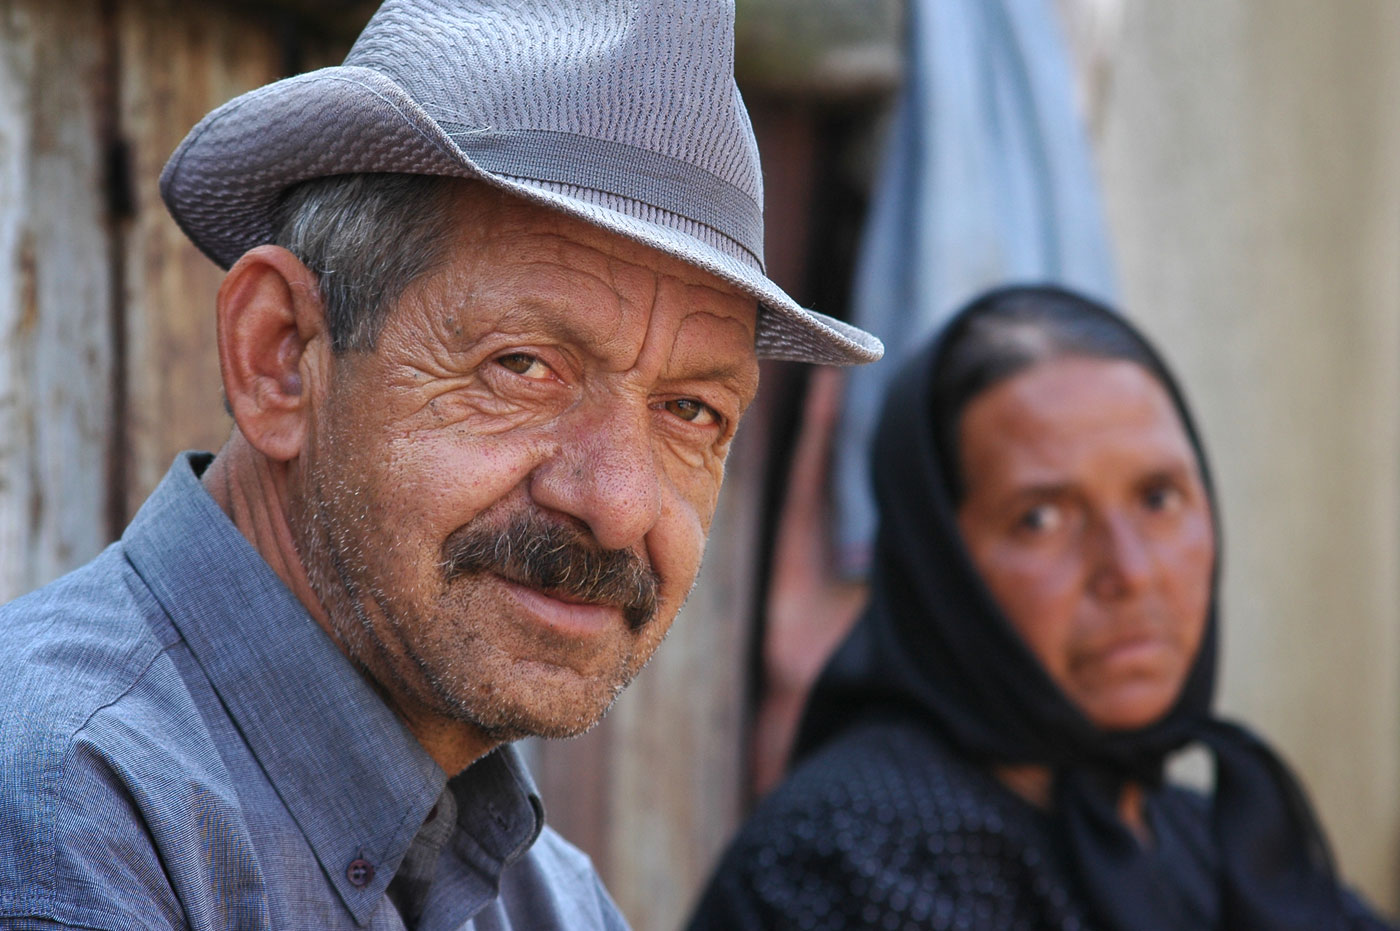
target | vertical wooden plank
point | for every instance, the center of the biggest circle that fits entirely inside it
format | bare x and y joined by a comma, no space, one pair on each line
1251,159
55,296
178,62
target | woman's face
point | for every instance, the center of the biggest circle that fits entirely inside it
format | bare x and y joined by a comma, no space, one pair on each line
1086,515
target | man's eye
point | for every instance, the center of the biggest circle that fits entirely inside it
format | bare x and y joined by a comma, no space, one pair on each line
522,363
689,409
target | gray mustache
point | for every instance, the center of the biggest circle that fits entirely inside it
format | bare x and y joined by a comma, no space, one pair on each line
555,558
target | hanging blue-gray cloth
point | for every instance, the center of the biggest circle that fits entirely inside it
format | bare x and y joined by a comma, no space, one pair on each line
987,179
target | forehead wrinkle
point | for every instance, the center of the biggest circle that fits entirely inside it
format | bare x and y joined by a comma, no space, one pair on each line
579,306
534,259
587,258
724,355
682,303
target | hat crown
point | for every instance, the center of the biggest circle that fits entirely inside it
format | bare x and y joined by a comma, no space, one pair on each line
622,113
653,75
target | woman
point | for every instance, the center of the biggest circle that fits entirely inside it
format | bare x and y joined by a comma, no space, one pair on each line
986,749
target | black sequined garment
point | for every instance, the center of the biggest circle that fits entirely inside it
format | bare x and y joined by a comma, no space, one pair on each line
884,828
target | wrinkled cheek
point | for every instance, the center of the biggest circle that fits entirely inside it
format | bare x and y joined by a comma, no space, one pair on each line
711,493
695,487
688,502
445,479
676,550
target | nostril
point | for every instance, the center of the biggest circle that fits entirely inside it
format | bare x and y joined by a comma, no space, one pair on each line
611,486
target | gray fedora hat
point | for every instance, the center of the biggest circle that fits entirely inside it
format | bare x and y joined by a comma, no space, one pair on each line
623,113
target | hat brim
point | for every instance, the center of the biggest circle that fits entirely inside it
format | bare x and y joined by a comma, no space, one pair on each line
223,183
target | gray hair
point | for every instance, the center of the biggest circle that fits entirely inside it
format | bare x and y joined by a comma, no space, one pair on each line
367,237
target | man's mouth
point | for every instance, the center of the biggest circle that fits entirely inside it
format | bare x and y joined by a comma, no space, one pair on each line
555,561
557,593
563,612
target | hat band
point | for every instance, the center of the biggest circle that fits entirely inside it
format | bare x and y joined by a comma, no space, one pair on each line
622,170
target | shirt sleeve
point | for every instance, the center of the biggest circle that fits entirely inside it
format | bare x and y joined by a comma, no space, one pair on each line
20,923
76,850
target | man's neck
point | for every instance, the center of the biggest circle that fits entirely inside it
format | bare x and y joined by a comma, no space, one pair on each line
253,493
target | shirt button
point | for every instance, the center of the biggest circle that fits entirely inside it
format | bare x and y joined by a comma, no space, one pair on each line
360,873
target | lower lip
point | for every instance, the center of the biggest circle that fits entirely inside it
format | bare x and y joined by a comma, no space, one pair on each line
1133,651
566,617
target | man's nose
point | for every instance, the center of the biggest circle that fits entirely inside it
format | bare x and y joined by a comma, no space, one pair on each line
605,473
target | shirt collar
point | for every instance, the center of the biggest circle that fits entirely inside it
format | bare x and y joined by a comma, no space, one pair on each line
355,780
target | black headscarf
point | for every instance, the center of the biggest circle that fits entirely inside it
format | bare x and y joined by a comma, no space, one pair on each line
934,644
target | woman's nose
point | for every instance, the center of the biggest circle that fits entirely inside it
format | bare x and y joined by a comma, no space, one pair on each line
1122,558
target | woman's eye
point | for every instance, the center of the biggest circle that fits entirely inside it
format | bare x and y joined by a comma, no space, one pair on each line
1043,518
692,411
522,363
1161,498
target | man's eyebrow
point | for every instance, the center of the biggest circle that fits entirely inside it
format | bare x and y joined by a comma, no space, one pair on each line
531,316
737,376
745,372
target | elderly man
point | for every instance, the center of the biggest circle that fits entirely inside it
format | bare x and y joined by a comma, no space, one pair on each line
492,315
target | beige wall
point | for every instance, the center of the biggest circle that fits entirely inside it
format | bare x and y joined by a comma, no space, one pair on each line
1250,154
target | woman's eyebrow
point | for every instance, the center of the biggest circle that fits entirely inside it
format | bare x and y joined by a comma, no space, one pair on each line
1043,490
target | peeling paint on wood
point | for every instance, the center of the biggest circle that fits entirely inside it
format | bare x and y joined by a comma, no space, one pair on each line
175,68
55,358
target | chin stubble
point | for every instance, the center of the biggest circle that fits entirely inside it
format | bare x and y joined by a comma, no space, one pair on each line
334,531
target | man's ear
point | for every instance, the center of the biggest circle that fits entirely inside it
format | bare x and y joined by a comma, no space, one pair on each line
274,349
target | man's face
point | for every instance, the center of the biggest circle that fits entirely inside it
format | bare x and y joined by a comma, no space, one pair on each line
503,505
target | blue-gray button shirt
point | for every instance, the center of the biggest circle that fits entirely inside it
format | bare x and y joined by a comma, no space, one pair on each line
182,746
